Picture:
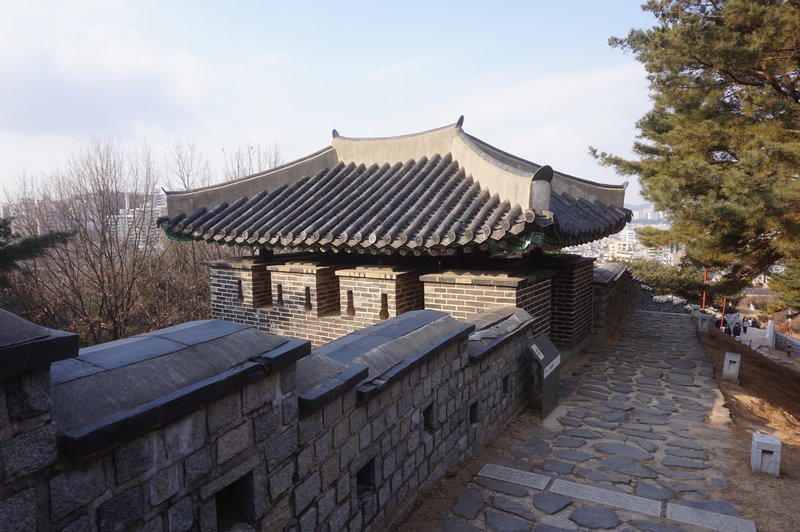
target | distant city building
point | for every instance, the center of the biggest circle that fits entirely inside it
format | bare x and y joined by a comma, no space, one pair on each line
647,214
133,222
625,245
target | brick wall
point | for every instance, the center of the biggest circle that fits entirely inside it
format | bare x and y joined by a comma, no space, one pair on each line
305,287
571,298
376,289
308,300
314,302
463,293
533,296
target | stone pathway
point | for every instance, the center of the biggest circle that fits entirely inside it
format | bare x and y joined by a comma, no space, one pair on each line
632,446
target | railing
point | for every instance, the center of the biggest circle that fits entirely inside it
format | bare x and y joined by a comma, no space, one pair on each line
786,343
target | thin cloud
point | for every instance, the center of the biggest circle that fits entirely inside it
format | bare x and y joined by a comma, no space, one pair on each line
105,82
403,68
554,119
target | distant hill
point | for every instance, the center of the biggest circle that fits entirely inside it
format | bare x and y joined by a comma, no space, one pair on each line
639,206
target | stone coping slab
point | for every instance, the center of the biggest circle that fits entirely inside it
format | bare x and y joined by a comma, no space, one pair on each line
253,263
508,278
487,318
485,341
706,519
119,390
606,496
25,345
425,348
301,267
373,358
608,272
336,386
514,476
375,272
109,430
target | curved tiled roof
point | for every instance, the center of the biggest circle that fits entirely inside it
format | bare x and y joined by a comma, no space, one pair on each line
361,198
579,221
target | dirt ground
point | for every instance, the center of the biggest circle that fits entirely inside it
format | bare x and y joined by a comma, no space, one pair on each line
767,400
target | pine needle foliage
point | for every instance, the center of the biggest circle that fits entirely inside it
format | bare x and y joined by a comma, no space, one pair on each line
787,286
720,149
14,248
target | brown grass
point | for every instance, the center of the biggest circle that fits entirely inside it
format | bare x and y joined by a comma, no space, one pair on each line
767,400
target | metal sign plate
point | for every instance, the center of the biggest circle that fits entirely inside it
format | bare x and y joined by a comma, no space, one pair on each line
548,369
549,365
538,353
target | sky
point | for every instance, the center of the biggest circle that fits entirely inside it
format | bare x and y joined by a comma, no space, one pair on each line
534,78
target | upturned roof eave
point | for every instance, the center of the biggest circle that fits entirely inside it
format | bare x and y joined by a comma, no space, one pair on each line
325,193
190,200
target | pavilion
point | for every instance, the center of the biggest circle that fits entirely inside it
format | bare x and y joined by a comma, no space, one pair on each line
368,228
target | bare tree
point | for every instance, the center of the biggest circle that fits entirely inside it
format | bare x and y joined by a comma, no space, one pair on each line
187,167
116,276
250,159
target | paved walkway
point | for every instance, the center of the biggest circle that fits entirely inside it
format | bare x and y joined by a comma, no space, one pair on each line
632,446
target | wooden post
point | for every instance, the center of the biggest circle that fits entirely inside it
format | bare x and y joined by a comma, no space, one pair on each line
705,282
724,305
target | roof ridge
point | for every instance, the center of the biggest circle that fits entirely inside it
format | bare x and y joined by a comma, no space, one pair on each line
454,125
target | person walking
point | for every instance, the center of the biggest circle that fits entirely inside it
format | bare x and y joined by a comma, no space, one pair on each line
737,331
745,325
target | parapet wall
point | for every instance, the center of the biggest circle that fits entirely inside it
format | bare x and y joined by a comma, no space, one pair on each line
400,429
310,300
617,293
342,438
321,302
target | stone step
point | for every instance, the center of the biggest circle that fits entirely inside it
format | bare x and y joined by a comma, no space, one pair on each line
617,500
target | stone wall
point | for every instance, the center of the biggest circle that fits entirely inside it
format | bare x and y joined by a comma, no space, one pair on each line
183,475
788,344
278,440
378,443
28,436
617,293
27,449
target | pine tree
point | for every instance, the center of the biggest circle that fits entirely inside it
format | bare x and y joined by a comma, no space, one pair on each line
787,286
14,248
720,149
